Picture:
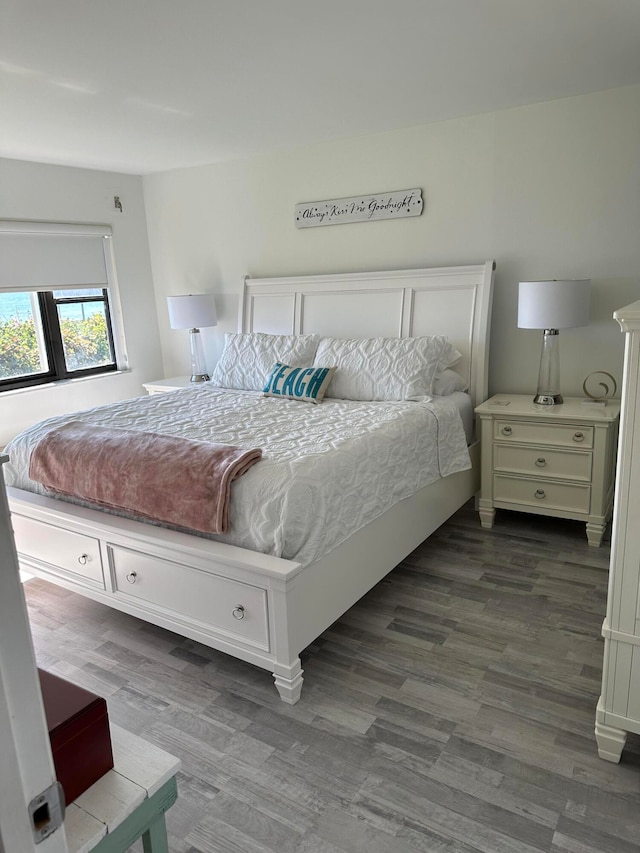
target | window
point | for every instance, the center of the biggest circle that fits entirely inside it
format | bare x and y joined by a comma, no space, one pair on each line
55,317
51,335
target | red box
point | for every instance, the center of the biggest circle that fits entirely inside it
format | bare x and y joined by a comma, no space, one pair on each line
79,733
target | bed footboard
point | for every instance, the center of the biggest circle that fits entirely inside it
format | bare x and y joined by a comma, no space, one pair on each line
225,597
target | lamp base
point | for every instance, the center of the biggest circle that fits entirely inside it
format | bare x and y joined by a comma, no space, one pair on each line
548,399
198,365
548,390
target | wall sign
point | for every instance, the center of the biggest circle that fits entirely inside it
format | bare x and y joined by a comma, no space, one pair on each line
359,208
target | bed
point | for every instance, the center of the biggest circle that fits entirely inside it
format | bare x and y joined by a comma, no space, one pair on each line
265,602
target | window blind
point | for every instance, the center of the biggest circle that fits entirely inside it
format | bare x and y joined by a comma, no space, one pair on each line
49,256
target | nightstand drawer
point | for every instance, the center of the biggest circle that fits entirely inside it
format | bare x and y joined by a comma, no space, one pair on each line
541,494
527,432
560,464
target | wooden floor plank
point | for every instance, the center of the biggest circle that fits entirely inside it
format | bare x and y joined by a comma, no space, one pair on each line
449,711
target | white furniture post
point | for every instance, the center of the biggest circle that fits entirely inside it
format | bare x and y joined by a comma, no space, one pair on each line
26,765
618,709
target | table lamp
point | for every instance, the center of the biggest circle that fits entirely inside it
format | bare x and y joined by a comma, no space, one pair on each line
193,311
552,305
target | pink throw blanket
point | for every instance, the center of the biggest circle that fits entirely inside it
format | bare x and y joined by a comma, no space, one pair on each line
173,480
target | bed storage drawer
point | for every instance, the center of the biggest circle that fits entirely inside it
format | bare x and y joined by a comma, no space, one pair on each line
59,551
227,607
541,495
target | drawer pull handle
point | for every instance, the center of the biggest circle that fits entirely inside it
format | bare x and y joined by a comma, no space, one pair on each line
131,577
541,462
83,559
506,430
578,436
238,612
539,494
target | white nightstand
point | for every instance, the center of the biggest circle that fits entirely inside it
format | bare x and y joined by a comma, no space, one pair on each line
161,386
550,460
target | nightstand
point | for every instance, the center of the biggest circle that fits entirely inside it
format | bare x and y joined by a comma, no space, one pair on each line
549,460
161,386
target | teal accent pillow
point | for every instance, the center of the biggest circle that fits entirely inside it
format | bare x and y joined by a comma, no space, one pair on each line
299,383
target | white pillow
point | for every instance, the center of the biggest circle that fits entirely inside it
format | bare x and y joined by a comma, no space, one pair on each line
247,359
384,368
447,382
450,355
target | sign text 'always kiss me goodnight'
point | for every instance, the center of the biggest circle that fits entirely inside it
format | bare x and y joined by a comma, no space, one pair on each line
359,208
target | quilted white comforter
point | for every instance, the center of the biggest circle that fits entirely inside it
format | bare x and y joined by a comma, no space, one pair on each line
326,470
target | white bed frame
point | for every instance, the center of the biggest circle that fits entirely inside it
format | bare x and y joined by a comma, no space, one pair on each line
263,609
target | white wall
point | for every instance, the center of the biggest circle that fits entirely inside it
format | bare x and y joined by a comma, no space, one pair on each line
55,193
549,191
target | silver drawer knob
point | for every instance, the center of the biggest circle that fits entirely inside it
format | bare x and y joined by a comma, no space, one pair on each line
541,462
506,430
131,577
578,436
238,612
83,559
539,494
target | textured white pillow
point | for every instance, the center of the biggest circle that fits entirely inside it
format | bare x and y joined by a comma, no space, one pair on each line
384,368
447,382
449,356
247,359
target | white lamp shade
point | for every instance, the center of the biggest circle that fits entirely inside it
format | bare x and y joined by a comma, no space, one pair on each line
557,304
192,311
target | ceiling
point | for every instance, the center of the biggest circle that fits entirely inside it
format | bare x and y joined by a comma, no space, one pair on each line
142,86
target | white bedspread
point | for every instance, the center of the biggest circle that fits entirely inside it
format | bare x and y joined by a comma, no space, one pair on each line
326,470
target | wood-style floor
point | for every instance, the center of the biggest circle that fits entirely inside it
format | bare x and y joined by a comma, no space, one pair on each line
452,709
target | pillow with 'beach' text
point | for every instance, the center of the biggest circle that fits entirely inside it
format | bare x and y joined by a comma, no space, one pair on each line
308,384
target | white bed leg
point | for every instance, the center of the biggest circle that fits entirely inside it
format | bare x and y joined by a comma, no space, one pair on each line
289,681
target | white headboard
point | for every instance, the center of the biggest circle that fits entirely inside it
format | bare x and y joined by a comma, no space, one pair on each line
452,301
